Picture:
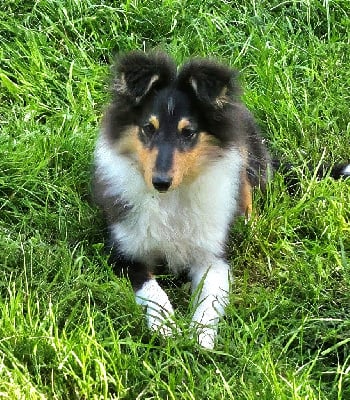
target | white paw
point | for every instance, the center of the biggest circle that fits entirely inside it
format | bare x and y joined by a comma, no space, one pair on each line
159,311
206,337
161,321
205,334
211,288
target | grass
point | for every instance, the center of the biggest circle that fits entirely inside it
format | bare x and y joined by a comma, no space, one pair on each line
69,329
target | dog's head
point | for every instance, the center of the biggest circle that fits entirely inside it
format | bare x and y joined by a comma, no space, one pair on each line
172,122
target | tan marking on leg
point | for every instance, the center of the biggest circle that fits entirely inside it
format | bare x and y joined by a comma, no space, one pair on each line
246,191
246,201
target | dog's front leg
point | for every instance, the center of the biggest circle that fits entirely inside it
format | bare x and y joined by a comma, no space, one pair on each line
210,285
148,293
159,311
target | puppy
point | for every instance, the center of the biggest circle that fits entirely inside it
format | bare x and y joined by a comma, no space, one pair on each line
175,163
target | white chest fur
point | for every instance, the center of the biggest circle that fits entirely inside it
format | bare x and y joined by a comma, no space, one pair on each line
182,225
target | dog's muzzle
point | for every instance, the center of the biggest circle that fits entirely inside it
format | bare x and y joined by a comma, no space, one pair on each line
162,182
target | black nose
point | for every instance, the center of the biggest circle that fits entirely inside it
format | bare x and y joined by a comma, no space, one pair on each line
162,182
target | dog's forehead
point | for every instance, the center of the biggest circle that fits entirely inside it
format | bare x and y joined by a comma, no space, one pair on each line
172,103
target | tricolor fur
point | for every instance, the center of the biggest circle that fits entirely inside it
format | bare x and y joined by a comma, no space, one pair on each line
176,160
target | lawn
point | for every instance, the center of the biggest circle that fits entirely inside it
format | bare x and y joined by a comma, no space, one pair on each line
69,329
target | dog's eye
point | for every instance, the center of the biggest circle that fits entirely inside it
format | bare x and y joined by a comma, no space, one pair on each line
188,132
148,129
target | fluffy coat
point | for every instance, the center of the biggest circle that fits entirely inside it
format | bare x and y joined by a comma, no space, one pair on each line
176,161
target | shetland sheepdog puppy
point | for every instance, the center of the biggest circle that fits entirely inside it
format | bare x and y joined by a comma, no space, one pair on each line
175,163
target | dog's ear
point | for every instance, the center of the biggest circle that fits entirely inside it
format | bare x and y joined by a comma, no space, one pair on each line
138,73
212,83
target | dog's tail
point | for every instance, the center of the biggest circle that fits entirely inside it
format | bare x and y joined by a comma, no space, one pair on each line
337,171
321,171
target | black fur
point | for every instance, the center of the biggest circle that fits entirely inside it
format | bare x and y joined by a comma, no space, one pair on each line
137,70
136,271
291,177
132,85
209,90
160,114
207,80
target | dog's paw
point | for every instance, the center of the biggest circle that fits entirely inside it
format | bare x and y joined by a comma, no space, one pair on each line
159,311
161,322
205,324
206,338
205,335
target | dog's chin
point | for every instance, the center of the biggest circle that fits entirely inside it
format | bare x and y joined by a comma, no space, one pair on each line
162,192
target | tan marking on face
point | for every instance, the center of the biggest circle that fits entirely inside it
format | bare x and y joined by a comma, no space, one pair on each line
183,123
147,161
154,121
127,144
188,165
131,146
